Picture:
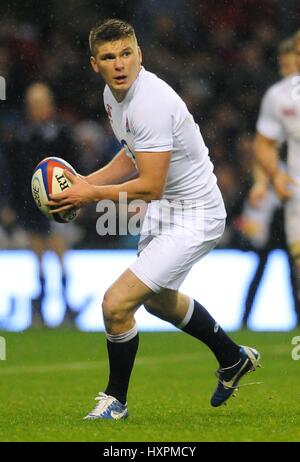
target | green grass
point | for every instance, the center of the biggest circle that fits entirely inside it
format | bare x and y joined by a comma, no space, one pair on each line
50,378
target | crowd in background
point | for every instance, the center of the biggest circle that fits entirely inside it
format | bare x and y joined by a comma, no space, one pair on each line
219,56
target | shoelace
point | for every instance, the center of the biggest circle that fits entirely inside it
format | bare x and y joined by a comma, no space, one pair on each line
224,369
104,401
240,385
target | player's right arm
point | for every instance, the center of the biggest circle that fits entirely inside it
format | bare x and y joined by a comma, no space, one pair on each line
119,169
266,154
270,132
260,187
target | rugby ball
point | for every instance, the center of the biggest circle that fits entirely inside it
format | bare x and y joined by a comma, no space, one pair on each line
48,178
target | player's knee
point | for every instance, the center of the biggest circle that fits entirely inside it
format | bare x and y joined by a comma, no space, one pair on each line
113,312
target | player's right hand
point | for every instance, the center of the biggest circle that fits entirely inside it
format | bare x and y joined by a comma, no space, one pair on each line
283,185
257,194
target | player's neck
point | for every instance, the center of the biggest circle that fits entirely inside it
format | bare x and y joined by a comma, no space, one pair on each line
119,95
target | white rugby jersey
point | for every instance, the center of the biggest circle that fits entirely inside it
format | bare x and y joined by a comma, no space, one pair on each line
279,119
153,118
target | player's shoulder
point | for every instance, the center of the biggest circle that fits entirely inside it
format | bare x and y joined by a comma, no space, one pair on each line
154,100
152,87
281,88
154,96
149,78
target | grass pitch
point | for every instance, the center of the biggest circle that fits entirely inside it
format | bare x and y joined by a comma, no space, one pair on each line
50,378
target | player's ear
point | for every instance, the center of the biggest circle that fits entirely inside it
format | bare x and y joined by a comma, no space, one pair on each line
140,55
94,64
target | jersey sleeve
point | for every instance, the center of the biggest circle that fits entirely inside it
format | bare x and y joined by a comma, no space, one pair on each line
269,123
152,127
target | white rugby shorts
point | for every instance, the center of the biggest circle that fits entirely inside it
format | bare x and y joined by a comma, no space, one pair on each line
167,252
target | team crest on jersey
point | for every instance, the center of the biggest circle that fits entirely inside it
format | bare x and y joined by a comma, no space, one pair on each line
289,112
108,110
127,126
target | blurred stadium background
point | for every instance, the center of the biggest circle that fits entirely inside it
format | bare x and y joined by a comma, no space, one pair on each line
220,56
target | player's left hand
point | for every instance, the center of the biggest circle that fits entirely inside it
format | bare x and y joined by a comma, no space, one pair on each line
79,194
257,194
284,185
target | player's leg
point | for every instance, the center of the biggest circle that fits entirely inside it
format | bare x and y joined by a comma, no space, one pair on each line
292,228
191,317
57,242
37,243
37,228
294,250
120,303
163,265
263,255
294,282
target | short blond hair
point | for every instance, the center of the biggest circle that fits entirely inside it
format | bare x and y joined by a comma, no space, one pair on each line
109,30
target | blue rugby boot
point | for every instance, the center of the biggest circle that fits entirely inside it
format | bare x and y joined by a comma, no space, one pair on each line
229,377
108,408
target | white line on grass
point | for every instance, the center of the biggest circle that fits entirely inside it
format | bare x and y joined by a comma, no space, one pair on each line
58,367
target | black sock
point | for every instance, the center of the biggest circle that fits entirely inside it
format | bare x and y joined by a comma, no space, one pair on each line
121,359
202,326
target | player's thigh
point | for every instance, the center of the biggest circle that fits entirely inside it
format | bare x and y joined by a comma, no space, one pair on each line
57,243
292,224
37,243
292,228
126,294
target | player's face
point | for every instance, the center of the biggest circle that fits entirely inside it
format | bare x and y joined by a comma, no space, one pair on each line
119,63
287,64
38,103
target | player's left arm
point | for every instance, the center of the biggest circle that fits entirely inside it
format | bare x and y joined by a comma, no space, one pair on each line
150,184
